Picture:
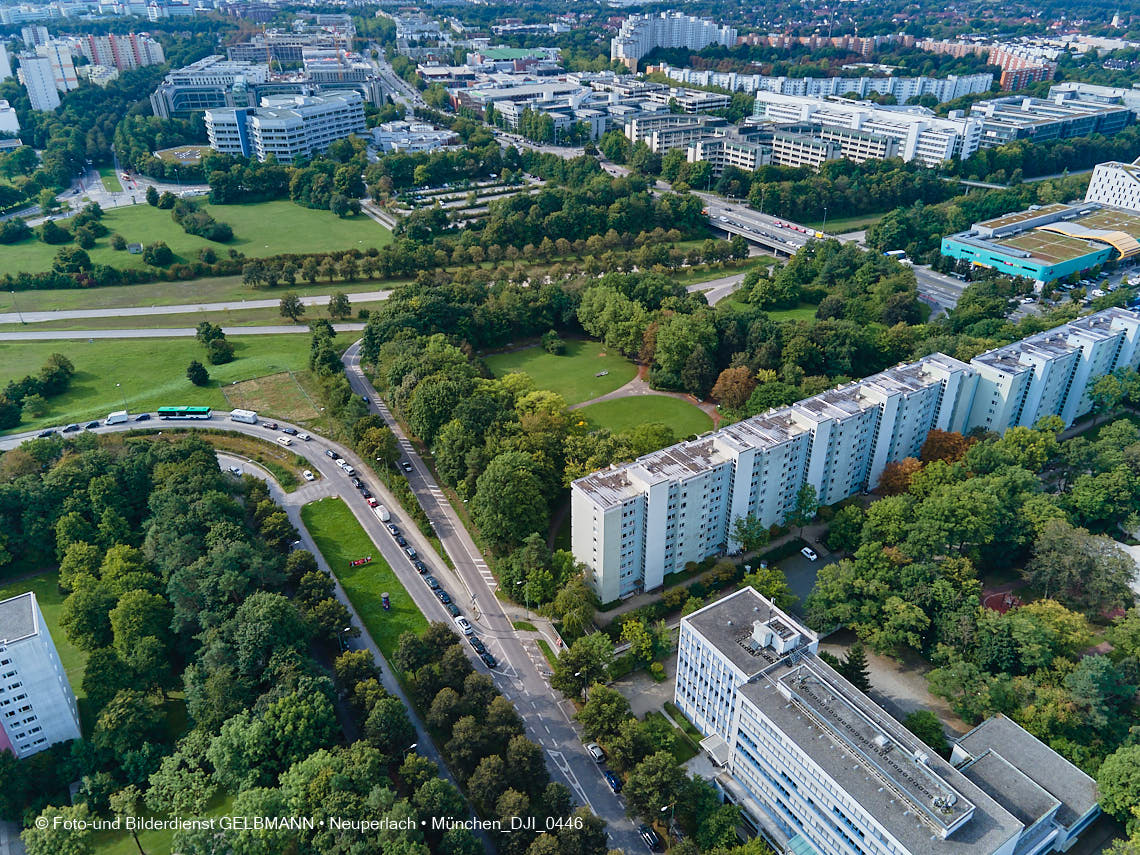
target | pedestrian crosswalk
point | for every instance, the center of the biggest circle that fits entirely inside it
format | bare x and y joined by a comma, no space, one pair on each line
486,573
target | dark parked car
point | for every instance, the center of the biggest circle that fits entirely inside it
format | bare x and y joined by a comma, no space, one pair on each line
431,582
365,493
444,597
91,425
393,530
411,551
421,568
650,838
142,417
488,660
452,609
330,453
613,780
356,482
71,429
43,434
400,540
290,431
271,425
476,644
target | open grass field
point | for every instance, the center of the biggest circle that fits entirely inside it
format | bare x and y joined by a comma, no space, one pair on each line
571,375
150,372
341,539
110,179
704,273
802,312
260,229
153,842
839,225
622,414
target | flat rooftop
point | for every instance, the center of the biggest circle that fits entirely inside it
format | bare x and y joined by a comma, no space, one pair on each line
18,617
1075,790
727,625
1089,228
1019,793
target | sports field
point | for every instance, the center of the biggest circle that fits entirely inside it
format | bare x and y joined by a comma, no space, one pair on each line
621,414
573,375
260,229
150,372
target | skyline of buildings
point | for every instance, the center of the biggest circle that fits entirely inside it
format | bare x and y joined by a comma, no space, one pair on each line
634,523
818,767
37,705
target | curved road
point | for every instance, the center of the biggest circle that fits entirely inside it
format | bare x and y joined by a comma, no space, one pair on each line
520,675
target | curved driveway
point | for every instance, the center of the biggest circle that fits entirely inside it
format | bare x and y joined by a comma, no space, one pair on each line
519,677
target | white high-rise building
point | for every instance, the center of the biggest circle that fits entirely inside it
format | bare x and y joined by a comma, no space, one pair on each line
633,524
37,705
817,767
286,127
34,35
62,67
9,121
1116,184
5,62
639,34
36,75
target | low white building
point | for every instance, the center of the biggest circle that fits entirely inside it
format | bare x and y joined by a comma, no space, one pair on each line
9,122
411,136
37,705
287,127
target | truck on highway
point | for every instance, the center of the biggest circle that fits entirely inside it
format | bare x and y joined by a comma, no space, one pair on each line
247,416
118,417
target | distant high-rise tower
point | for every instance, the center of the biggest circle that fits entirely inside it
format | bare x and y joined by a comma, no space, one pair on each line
5,62
36,75
37,705
62,66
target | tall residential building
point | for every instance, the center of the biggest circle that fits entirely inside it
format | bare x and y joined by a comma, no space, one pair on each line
1116,184
920,134
287,127
635,523
817,767
58,54
9,122
34,35
37,706
36,75
639,34
5,62
123,52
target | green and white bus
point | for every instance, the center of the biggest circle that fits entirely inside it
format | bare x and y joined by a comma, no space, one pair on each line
184,412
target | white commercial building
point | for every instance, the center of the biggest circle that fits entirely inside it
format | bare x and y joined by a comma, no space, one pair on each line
633,524
639,34
58,54
817,767
37,705
920,134
287,127
1116,184
411,136
9,121
36,75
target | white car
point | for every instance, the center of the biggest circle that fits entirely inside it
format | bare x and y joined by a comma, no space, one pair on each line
595,751
464,625
309,476
809,553
304,436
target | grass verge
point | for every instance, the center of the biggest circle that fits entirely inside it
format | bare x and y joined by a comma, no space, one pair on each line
110,180
681,747
340,539
547,652
524,626
572,374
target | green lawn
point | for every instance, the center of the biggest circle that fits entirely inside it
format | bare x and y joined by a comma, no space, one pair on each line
571,375
705,274
340,539
622,414
110,179
153,842
840,225
151,372
260,229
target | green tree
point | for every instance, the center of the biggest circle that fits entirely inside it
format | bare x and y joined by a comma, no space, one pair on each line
509,503
292,307
1118,781
587,661
854,667
1081,570
130,718
50,836
126,805
603,713
388,727
196,373
925,725
805,508
750,533
640,641
339,306
152,196
655,781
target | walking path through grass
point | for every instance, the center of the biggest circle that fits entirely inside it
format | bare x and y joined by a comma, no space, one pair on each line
572,374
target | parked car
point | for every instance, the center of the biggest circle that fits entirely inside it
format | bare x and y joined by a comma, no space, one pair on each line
91,425
464,626
595,751
406,466
330,453
308,475
411,551
356,482
444,597
488,660
431,582
43,434
421,568
809,553
304,436
613,780
393,529
271,425
289,430
400,540
476,644
72,428
142,417
650,838
370,499
452,609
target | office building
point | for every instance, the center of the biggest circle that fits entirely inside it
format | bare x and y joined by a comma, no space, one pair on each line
411,136
818,767
37,705
5,62
36,74
1005,120
723,152
639,34
635,523
9,123
287,127
1116,184
920,134
1130,98
689,100
125,52
289,45
208,83
1050,242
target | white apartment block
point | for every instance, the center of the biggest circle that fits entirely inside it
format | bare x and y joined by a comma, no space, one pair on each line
5,62
633,524
1116,184
817,767
9,121
920,134
36,75
133,50
639,34
37,705
58,54
34,35
287,127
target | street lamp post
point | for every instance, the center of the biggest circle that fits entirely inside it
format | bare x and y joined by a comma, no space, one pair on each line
16,306
670,807
824,229
526,596
122,395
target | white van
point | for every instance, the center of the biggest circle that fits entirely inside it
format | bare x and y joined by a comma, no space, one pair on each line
118,417
285,441
249,417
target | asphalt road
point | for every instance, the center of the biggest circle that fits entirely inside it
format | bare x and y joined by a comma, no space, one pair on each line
179,309
522,677
160,332
716,290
